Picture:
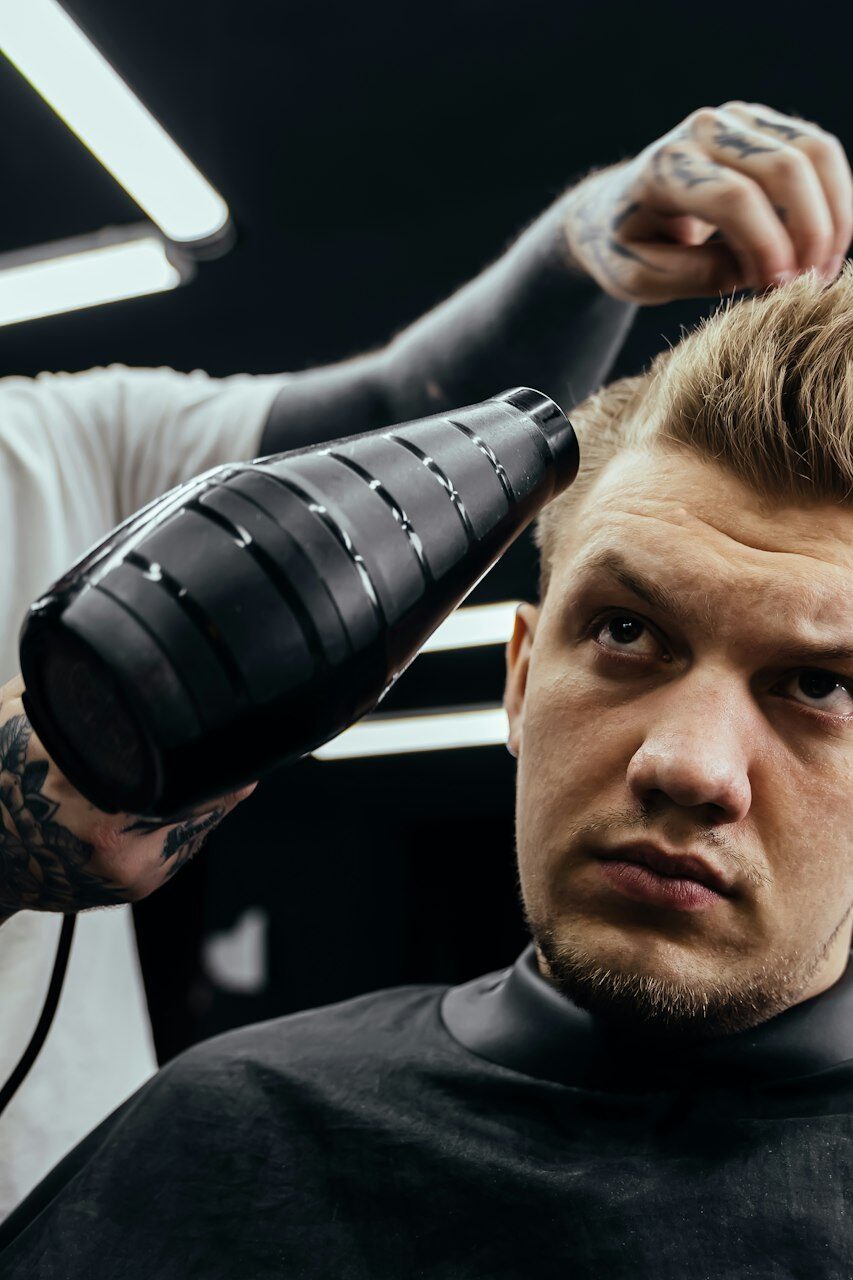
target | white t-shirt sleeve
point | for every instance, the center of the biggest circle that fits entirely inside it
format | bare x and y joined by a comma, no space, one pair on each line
119,437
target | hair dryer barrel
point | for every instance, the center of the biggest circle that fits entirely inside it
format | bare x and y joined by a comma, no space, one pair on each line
250,615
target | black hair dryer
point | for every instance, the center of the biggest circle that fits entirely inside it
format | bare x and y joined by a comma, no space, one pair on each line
253,613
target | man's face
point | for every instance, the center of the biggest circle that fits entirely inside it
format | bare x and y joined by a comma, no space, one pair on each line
706,725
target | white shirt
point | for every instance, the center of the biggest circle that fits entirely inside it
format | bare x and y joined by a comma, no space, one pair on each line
78,453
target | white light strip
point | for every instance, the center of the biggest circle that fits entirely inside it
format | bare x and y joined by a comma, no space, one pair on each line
71,75
392,735
86,279
481,624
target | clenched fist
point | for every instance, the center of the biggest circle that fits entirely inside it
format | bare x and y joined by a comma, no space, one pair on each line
58,852
735,197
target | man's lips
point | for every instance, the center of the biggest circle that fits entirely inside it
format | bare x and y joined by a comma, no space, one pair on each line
664,877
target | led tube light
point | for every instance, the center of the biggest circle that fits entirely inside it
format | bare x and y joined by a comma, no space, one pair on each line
395,735
51,51
83,274
481,624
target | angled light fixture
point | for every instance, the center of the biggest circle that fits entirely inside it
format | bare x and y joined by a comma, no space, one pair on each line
430,731
387,735
74,78
85,271
480,624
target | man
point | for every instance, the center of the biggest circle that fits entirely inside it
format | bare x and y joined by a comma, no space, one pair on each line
685,186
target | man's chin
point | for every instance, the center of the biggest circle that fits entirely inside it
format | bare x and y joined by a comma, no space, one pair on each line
657,991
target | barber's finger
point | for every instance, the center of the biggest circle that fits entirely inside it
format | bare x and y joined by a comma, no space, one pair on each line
785,174
828,159
687,181
694,271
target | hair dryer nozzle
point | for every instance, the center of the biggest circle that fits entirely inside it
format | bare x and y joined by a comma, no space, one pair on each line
556,428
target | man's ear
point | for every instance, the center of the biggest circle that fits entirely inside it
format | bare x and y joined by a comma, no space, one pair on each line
517,665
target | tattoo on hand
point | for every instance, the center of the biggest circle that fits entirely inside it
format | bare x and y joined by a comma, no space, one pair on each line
786,131
184,841
595,237
737,142
684,168
624,215
625,252
43,865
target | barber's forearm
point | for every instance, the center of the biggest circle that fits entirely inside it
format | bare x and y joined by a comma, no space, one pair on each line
532,318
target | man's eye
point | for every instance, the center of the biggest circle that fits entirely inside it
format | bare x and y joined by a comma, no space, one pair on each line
823,690
623,633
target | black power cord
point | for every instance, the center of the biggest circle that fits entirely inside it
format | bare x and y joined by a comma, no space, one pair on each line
51,1000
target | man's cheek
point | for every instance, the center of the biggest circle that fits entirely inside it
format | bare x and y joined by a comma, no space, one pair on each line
567,724
561,762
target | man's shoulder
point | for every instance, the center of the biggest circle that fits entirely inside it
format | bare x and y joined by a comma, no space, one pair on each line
338,1042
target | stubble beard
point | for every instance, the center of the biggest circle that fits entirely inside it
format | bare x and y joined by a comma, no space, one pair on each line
673,1009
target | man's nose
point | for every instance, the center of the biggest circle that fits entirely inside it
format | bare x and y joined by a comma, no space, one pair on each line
695,752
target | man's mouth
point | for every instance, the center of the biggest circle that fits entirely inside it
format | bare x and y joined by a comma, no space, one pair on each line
664,878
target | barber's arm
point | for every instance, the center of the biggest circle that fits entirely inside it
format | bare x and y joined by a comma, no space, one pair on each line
733,197
58,852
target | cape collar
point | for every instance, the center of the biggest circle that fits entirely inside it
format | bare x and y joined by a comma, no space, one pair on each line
516,1018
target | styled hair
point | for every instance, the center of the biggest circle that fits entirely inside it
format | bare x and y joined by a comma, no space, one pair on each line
763,387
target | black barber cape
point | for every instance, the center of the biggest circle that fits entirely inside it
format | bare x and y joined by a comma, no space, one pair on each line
490,1131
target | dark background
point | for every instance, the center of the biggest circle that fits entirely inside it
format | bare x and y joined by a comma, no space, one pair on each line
374,158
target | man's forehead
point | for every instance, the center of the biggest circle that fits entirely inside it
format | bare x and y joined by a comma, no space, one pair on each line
696,538
670,499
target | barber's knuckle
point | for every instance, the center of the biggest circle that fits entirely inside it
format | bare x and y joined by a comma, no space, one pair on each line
736,195
703,119
824,148
787,164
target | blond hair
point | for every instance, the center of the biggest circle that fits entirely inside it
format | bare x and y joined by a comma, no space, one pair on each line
764,388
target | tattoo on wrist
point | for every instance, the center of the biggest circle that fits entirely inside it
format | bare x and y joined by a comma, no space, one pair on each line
43,865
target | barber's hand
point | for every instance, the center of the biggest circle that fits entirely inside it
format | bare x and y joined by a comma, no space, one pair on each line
735,197
58,852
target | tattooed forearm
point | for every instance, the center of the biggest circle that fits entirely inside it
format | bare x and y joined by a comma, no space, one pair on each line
737,142
43,865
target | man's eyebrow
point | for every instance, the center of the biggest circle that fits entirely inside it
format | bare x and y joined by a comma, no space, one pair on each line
804,652
666,601
659,597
